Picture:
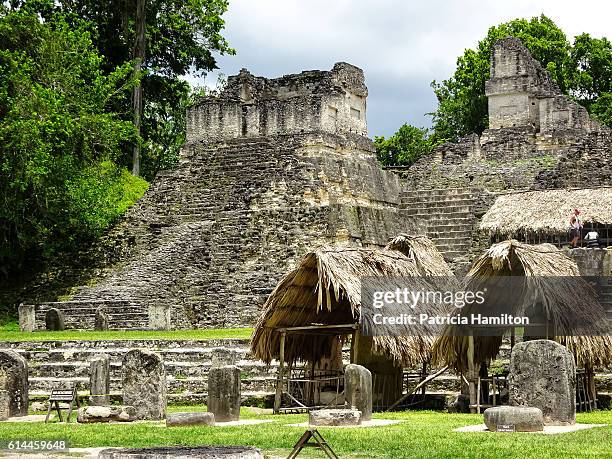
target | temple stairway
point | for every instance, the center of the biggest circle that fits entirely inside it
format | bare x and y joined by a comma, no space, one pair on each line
448,215
62,364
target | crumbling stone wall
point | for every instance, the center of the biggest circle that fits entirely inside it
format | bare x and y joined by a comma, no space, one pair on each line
328,101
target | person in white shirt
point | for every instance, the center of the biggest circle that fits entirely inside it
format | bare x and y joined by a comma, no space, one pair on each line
592,239
575,227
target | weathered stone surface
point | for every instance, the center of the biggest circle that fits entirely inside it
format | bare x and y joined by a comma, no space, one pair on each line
39,406
99,380
14,379
524,419
143,380
114,413
301,173
27,317
358,389
184,452
543,375
334,417
190,419
224,393
222,356
101,320
159,316
54,320
5,405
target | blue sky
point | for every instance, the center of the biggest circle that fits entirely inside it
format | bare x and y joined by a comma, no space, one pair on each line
401,45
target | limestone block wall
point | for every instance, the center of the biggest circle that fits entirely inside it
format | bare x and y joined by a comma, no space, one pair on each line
329,101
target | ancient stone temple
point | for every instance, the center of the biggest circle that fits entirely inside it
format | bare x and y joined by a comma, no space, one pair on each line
271,168
538,139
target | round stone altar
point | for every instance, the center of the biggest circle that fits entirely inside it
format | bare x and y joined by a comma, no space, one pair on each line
183,452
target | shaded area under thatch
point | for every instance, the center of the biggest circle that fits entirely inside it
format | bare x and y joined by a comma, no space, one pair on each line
325,289
570,305
547,211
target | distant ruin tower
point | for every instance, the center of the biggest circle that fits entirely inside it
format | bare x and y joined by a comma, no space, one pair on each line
522,94
314,101
271,169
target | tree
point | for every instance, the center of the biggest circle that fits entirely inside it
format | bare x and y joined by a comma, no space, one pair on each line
139,58
591,77
404,147
462,104
59,140
181,37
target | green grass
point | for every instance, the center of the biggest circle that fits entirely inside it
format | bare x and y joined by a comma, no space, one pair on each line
9,332
423,434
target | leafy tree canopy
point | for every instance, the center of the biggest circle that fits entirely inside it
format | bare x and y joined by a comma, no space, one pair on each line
59,183
462,104
182,36
404,147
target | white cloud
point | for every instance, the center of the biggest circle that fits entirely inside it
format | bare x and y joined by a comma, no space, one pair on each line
401,45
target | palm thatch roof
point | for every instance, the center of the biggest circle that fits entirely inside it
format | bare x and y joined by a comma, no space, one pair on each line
548,211
325,289
570,305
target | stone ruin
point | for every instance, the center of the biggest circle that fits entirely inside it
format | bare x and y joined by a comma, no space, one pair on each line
224,386
270,169
274,167
543,375
143,382
14,379
537,139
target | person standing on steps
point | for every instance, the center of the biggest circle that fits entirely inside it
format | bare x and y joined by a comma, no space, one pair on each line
575,228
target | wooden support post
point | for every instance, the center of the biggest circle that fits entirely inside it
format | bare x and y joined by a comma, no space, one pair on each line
355,346
471,373
494,383
512,338
280,378
478,389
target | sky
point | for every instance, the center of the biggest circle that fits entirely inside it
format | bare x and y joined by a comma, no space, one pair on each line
401,45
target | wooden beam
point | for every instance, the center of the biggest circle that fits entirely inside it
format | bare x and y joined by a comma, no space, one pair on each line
279,380
318,327
471,371
417,387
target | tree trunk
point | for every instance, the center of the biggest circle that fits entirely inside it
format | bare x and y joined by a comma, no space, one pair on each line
139,56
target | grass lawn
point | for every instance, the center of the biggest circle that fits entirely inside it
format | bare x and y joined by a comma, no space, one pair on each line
423,434
10,332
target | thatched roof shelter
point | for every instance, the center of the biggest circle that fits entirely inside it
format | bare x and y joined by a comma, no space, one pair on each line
547,212
325,289
571,305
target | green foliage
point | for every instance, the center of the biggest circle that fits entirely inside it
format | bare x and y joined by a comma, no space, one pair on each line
591,65
9,332
58,138
404,147
111,187
462,104
601,109
181,37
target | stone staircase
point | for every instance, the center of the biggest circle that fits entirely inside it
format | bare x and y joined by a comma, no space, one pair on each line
448,215
80,315
61,364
